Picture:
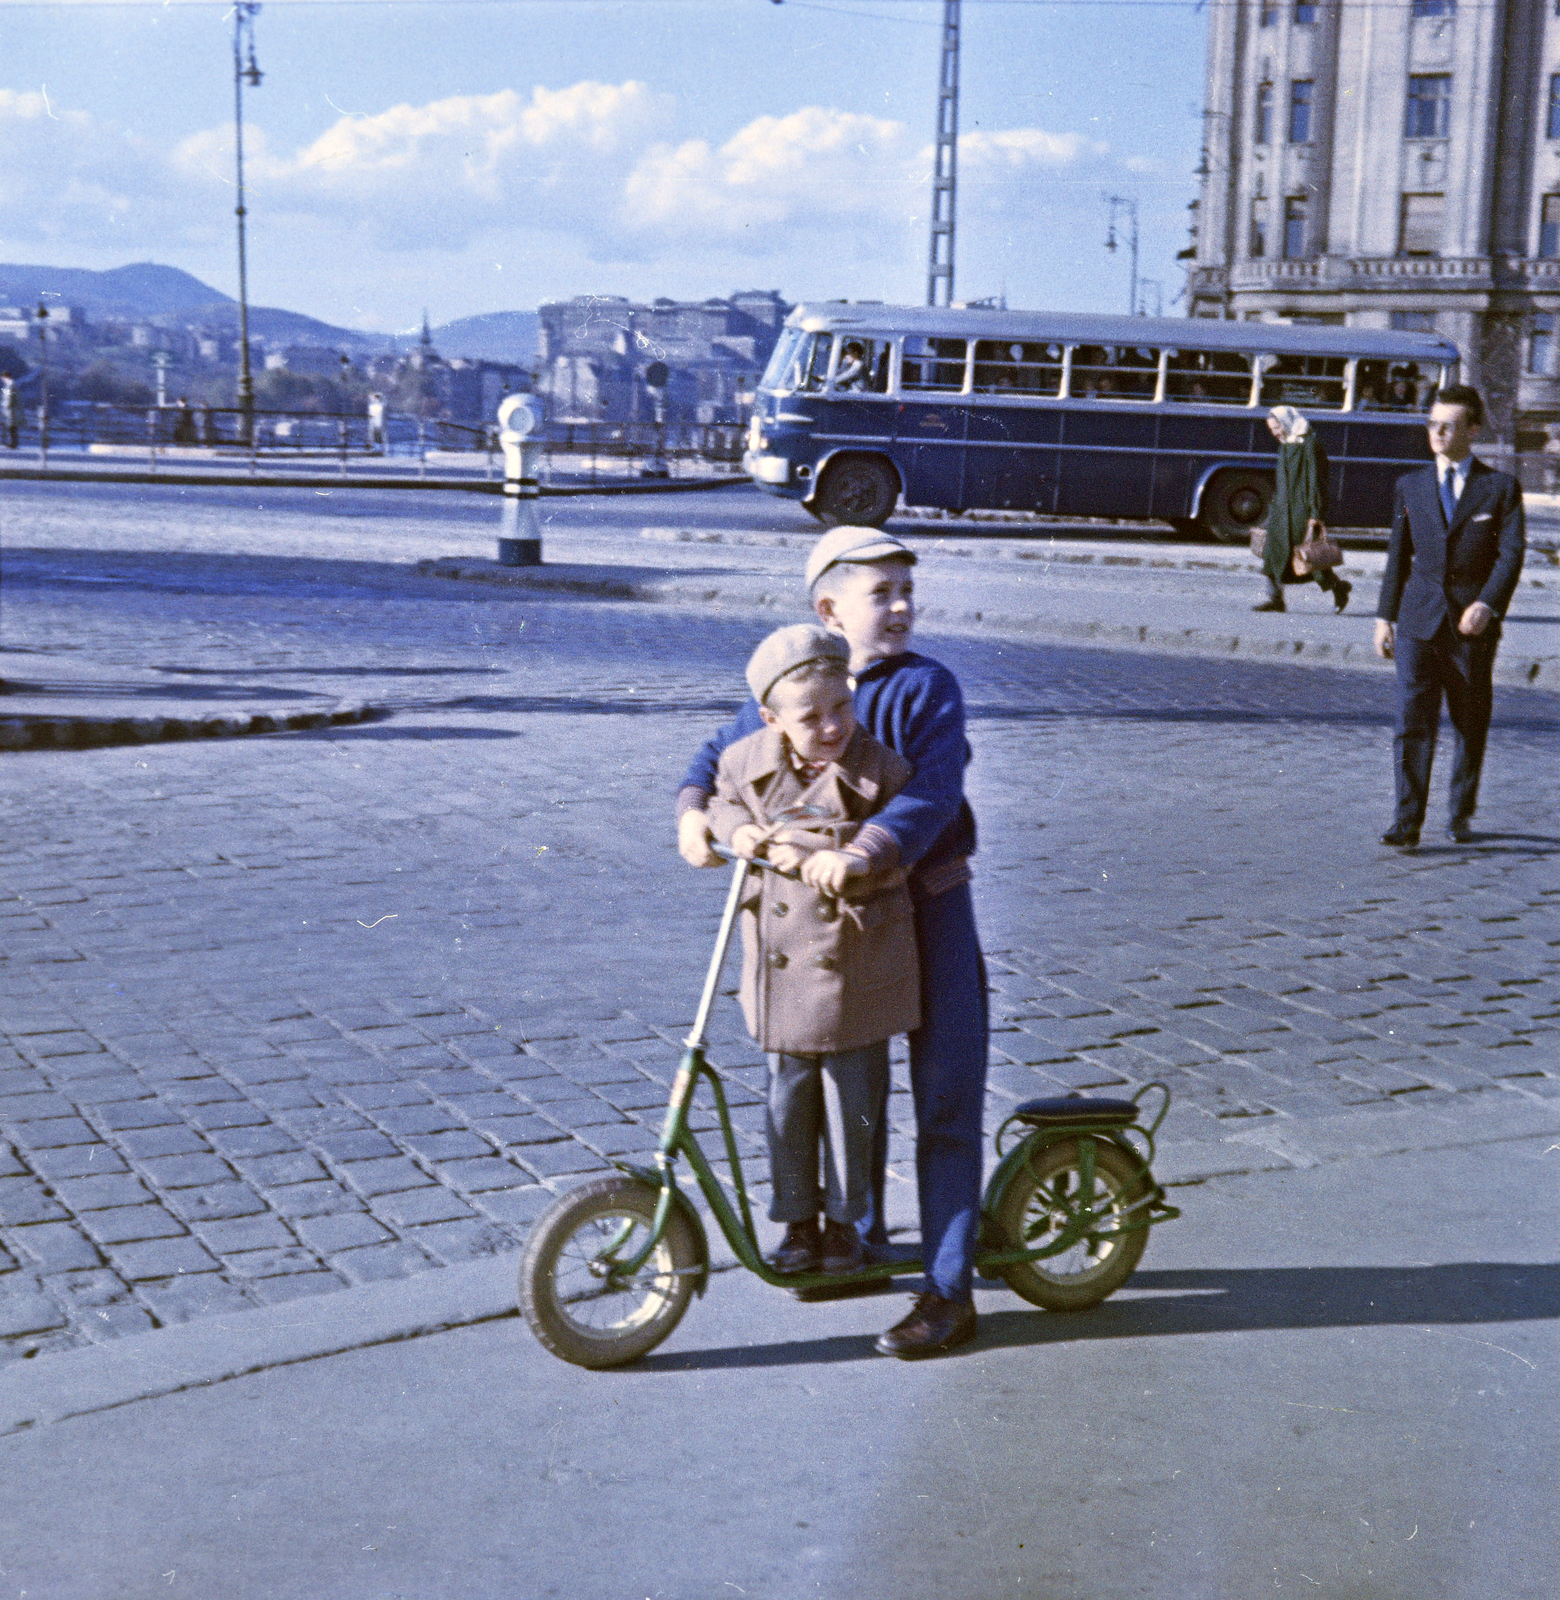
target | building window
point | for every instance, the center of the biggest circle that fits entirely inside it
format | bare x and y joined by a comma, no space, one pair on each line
1549,227
1269,14
1435,8
1541,345
1413,322
1264,131
1305,13
1294,227
1300,93
1424,220
1258,230
1429,105
1554,97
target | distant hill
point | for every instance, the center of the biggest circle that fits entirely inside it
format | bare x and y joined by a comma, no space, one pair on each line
142,290
494,336
167,296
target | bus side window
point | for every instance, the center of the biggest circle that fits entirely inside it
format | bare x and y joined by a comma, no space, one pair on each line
1004,367
936,364
1114,372
1209,377
1315,382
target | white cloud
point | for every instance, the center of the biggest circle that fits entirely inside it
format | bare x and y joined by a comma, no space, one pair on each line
595,179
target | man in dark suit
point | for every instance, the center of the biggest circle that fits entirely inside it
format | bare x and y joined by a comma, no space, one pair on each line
1457,543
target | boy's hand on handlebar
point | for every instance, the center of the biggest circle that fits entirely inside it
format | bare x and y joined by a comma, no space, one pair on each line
749,840
693,840
829,870
787,857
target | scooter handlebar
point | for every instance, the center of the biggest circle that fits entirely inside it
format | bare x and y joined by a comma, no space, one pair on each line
727,854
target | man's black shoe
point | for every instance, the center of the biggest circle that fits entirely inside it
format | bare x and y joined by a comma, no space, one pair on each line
933,1327
1459,832
841,1250
1401,838
1271,605
798,1251
1341,592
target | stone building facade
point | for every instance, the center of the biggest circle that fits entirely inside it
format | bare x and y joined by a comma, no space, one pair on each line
1391,163
593,353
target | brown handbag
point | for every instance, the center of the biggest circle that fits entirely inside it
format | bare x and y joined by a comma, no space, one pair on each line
1319,550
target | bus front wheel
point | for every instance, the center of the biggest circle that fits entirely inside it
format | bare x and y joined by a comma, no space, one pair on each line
1234,504
858,491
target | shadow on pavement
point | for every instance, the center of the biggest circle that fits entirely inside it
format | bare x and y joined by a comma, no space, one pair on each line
1212,1300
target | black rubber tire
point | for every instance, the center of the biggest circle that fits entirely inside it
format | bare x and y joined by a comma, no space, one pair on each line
858,491
628,1323
1235,503
1097,1265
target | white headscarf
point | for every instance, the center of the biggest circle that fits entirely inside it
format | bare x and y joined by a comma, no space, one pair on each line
1293,427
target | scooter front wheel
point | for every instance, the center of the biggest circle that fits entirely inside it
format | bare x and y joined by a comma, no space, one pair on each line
575,1304
1044,1198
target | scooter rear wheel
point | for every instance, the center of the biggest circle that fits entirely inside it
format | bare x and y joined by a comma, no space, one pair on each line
569,1298
1040,1202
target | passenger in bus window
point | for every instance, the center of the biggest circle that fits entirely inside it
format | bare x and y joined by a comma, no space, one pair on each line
853,366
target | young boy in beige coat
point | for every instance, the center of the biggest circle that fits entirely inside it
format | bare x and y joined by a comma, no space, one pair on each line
827,979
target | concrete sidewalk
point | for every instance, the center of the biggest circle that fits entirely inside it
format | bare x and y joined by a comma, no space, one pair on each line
1186,598
1329,1382
54,700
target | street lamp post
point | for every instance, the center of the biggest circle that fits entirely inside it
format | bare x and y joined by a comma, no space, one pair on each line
43,365
1118,205
244,13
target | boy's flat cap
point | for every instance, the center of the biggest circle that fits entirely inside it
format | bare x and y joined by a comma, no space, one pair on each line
786,649
853,544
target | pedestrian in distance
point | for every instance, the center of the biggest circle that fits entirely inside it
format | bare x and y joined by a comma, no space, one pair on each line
828,977
10,411
1458,538
1298,511
184,424
862,587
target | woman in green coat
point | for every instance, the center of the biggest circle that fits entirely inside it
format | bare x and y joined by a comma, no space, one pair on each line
1299,499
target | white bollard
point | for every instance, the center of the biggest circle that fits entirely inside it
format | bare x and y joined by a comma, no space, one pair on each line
520,537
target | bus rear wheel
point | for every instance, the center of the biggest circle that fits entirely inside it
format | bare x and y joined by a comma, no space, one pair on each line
858,491
1235,503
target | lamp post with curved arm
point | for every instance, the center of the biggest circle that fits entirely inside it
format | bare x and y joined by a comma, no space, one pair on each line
244,13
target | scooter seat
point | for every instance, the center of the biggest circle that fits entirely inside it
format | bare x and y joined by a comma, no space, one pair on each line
1062,1111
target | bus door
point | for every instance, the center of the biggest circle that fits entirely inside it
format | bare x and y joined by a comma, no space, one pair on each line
1109,432
1012,457
929,420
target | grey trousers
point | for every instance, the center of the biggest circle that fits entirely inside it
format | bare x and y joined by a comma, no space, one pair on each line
833,1101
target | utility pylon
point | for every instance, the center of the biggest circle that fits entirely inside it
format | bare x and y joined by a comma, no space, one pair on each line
939,270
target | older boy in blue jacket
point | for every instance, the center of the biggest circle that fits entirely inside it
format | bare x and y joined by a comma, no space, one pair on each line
862,587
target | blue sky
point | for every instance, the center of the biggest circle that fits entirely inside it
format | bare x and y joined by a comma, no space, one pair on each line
479,156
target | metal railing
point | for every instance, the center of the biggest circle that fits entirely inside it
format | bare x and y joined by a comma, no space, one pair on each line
594,450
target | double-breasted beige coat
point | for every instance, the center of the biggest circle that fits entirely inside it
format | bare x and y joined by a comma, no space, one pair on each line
820,974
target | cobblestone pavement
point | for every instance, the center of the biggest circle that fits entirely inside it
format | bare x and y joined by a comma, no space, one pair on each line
290,1013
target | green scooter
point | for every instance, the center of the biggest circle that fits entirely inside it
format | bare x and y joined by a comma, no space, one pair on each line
609,1268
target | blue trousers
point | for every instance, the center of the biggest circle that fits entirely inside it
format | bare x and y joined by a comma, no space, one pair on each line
948,1055
1460,670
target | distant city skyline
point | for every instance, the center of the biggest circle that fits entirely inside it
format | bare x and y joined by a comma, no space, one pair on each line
477,158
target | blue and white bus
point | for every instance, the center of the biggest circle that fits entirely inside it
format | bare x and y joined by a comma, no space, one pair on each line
865,406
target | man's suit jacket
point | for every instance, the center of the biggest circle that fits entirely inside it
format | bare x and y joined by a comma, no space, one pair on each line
1435,571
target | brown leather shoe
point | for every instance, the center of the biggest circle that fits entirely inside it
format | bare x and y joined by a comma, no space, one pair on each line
841,1250
934,1327
798,1251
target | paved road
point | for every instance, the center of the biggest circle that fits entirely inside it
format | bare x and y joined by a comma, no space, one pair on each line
287,1014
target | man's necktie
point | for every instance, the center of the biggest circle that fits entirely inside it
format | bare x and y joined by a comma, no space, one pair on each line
1449,494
